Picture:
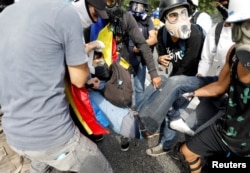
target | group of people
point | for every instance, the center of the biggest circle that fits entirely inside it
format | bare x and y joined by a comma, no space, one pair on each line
49,44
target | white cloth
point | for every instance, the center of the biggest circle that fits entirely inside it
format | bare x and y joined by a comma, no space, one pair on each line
205,21
210,52
83,13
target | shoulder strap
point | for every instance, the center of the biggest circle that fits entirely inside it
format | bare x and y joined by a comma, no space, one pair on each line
195,17
218,29
231,54
164,36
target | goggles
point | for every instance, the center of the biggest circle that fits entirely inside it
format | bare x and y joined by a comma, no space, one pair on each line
174,15
110,3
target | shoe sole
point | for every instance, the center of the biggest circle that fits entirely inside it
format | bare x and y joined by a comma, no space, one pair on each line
124,149
158,154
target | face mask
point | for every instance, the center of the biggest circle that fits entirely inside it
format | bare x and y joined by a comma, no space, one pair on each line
178,24
81,9
223,9
138,11
241,36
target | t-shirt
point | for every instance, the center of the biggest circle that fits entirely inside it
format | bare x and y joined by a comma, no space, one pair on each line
37,39
185,62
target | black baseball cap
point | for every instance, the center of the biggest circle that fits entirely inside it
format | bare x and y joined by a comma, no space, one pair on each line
99,6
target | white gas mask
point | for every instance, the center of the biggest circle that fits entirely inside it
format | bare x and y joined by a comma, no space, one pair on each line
178,23
241,36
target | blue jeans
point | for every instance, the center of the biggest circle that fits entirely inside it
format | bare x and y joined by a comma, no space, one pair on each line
139,82
186,84
79,154
171,90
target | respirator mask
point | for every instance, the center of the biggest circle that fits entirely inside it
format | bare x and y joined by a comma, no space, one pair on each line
241,36
138,10
177,23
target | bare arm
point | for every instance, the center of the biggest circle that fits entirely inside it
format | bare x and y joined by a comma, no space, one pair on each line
219,87
78,74
152,37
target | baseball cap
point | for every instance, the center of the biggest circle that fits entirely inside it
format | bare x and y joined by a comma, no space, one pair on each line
99,6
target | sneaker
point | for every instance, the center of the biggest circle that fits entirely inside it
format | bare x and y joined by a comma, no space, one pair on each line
124,143
181,126
156,151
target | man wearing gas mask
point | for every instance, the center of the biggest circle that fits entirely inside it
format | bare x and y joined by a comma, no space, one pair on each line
138,8
229,135
179,43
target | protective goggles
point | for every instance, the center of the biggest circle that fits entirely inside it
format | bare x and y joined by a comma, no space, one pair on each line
174,15
110,3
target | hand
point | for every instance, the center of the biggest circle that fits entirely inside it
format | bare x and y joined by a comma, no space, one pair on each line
164,60
95,81
94,45
156,82
188,96
136,50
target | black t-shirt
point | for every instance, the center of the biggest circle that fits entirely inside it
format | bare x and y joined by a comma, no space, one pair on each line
185,62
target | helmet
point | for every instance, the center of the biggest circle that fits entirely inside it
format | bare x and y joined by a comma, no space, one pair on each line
238,11
145,2
166,5
139,8
194,2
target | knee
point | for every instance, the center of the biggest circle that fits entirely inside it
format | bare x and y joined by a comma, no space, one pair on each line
193,160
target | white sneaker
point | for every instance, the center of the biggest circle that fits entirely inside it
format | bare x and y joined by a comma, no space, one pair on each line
181,126
156,151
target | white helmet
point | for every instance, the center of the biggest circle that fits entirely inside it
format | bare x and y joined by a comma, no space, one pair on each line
195,2
238,10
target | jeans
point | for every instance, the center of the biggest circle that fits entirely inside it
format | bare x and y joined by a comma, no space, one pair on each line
139,82
204,110
79,155
153,115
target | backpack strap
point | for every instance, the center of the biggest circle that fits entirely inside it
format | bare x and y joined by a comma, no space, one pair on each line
195,17
218,30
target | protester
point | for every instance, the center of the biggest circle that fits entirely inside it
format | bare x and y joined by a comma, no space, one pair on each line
138,10
226,136
201,18
34,60
182,48
207,107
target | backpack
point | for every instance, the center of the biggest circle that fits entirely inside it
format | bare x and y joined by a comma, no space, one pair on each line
119,90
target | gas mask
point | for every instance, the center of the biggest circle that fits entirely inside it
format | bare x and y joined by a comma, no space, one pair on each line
241,36
115,14
177,23
82,10
223,9
138,10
